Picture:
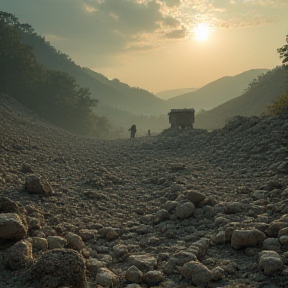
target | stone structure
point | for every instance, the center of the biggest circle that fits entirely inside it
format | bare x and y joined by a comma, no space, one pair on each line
181,118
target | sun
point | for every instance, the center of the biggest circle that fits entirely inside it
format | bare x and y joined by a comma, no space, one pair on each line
201,32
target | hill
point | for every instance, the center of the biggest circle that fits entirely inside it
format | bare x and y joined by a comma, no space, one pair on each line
168,94
254,102
113,93
216,92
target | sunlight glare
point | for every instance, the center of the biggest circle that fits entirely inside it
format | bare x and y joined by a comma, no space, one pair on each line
201,32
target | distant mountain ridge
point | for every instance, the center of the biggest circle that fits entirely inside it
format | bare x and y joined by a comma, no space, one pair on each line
168,94
216,92
254,102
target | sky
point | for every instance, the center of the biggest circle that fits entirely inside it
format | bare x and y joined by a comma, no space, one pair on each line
161,44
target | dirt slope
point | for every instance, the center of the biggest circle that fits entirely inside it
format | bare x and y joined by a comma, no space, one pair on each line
241,172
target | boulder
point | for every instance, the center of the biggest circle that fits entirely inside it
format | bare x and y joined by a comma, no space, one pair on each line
170,206
12,227
107,278
153,277
197,272
39,244
217,273
283,236
74,241
133,274
245,238
63,266
93,265
144,262
195,197
270,262
271,244
178,259
120,252
19,256
185,210
161,216
36,185
56,242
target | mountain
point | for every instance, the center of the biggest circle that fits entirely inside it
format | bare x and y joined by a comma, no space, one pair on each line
109,92
253,102
216,92
168,94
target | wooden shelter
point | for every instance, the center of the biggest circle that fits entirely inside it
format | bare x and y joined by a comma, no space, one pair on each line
182,118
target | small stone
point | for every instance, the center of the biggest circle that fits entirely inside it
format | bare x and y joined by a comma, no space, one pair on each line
161,216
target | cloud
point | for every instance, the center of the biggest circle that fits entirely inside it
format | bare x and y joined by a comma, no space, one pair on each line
177,34
170,21
110,28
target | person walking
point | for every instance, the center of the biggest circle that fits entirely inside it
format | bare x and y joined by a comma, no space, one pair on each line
132,132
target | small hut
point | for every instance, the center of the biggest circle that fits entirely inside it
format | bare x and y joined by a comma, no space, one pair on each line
181,118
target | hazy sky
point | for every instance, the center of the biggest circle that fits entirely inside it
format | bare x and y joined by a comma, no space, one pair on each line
161,44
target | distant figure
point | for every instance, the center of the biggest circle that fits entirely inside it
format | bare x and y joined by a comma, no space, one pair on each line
132,131
149,134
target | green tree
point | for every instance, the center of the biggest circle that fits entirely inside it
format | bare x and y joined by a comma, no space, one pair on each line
283,52
53,95
280,106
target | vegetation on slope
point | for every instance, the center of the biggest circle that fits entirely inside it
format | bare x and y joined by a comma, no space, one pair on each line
53,95
280,105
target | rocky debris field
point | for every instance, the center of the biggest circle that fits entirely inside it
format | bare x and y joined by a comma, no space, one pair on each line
187,208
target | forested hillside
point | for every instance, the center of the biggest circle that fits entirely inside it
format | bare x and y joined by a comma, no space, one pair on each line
216,92
53,95
111,93
253,102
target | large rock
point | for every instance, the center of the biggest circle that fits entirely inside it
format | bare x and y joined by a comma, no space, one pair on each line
56,242
283,236
134,275
94,265
107,278
161,216
19,256
12,227
195,197
9,206
197,272
178,259
185,210
144,262
74,241
36,185
270,262
245,238
153,277
62,266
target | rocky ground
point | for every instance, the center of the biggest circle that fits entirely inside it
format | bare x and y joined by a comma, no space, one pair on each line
187,208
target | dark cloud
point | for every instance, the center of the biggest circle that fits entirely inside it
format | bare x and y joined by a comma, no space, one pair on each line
177,34
172,3
170,21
